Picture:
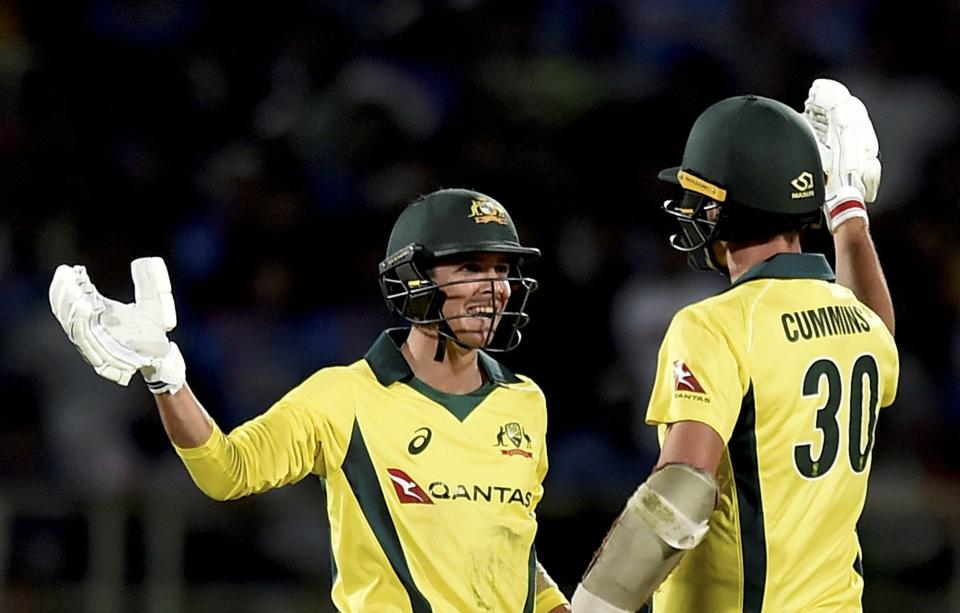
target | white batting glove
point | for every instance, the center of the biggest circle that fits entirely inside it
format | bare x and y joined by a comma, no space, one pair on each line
848,150
120,339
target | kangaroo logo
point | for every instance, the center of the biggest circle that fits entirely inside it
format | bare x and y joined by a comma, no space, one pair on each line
513,433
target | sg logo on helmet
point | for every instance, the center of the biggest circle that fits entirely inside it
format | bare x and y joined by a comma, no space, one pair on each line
485,210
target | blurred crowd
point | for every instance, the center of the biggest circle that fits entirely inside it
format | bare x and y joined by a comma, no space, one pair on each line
264,150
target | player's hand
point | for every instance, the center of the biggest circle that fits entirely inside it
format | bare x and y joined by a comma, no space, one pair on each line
120,339
848,150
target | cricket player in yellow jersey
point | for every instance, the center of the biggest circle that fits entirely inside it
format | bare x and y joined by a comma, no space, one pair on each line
432,452
767,395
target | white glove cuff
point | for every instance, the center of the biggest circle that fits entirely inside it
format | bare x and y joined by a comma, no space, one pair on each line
842,205
168,374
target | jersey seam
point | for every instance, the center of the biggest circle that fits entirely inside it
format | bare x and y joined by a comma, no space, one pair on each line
750,317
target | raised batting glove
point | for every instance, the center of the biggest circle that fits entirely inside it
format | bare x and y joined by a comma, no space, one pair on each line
848,150
120,339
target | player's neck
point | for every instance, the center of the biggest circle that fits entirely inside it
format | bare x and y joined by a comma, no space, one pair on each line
458,373
741,257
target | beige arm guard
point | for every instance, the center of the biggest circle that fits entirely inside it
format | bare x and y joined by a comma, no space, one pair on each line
666,516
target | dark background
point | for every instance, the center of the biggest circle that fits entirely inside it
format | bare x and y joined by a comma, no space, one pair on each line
264,149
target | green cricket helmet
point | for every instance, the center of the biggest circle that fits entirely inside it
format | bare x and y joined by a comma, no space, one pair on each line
445,224
756,161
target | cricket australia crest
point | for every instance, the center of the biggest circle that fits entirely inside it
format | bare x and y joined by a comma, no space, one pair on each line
516,441
486,210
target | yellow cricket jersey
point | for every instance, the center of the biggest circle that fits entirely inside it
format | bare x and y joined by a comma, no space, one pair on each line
790,369
430,496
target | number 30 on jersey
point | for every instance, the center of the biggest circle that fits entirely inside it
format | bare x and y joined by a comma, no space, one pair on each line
862,397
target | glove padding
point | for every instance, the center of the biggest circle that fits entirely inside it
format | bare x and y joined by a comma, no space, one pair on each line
848,147
120,339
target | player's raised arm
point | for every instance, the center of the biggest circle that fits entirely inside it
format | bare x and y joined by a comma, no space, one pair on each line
850,154
119,340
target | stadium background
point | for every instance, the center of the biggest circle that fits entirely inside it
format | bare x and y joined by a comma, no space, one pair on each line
264,149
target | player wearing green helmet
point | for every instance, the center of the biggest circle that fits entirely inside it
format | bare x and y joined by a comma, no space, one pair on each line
445,226
767,395
750,170
433,454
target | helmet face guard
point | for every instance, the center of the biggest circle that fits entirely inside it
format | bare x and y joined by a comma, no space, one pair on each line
412,294
699,218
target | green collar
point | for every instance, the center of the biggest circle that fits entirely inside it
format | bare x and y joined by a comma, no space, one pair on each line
389,365
459,405
790,266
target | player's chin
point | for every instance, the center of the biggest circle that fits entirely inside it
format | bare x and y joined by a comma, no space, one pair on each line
475,336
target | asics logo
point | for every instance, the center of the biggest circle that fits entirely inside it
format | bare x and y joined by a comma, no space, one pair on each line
420,441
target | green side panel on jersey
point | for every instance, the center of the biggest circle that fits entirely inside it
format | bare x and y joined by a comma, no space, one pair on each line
746,472
334,571
531,601
460,405
362,477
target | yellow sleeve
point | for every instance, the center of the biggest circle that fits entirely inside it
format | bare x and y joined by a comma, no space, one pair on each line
891,370
550,598
698,377
303,433
543,462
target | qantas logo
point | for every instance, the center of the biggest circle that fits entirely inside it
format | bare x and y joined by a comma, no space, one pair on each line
480,493
407,489
410,493
684,380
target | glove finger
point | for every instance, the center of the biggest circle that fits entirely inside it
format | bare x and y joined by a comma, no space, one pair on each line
871,179
861,119
103,364
64,292
112,373
86,345
88,289
854,106
827,93
151,283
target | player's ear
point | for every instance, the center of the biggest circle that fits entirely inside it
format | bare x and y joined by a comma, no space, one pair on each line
720,252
